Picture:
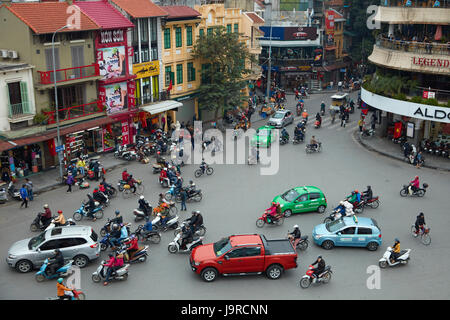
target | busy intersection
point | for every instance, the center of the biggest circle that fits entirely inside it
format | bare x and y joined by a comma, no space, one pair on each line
235,196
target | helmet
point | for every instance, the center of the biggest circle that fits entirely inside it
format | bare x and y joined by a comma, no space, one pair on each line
46,206
191,182
60,280
319,257
396,240
273,203
117,212
356,191
341,202
369,187
421,214
417,177
110,255
59,211
115,226
141,197
125,170
296,226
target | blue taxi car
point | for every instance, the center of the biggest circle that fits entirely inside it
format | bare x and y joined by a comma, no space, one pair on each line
348,232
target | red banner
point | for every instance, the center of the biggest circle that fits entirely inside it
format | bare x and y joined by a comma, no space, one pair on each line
51,147
398,130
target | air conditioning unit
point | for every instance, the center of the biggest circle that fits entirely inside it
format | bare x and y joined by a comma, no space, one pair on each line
13,54
3,53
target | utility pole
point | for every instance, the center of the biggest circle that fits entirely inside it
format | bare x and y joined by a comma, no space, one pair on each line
269,70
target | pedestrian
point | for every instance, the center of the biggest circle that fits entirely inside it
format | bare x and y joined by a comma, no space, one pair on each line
96,170
183,195
69,182
29,186
418,159
361,124
24,195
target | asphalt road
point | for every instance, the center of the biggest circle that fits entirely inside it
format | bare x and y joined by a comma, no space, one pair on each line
236,195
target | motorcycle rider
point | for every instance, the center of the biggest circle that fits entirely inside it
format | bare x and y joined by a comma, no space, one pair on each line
368,194
320,267
195,221
61,290
118,218
55,262
284,134
99,196
313,143
322,107
46,217
133,247
203,165
355,197
414,185
272,212
298,133
125,175
305,115
144,206
319,118
191,188
60,220
395,251
295,236
420,222
90,206
132,183
340,209
186,237
348,208
113,264
115,234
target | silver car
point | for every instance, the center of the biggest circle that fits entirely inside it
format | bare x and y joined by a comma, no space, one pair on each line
281,118
78,243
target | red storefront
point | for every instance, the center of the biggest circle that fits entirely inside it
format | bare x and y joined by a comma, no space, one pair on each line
116,88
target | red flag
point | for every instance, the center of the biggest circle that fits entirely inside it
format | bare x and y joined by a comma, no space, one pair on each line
397,130
170,86
51,147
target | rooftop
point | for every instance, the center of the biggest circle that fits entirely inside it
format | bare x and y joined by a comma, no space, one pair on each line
104,14
177,12
14,66
254,17
141,8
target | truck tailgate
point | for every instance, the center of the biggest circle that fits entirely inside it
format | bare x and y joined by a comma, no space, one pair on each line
277,247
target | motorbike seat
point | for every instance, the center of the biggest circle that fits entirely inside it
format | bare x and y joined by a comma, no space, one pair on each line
402,252
304,237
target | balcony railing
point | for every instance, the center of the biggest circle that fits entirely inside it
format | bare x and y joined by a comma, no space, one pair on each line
160,96
19,109
69,74
75,112
416,3
414,46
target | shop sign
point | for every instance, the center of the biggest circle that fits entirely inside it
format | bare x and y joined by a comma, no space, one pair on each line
146,69
125,133
304,68
433,113
59,148
329,19
429,95
428,62
112,62
115,97
111,36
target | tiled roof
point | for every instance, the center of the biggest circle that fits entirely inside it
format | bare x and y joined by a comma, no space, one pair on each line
254,17
180,12
47,17
104,14
141,8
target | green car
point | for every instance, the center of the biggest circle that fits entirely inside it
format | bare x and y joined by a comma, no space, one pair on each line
264,137
302,199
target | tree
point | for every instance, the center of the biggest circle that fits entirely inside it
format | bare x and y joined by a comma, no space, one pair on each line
223,58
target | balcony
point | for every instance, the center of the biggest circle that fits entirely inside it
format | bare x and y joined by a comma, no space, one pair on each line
431,48
416,3
20,112
69,75
75,112
147,99
285,62
412,15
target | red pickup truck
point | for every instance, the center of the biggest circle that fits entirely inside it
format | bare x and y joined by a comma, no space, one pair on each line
242,255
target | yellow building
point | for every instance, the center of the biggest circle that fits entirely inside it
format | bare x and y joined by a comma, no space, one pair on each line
179,33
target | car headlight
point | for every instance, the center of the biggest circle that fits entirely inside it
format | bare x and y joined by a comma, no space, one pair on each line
11,256
196,264
317,236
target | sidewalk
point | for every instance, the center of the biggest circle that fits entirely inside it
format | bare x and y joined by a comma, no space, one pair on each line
49,180
387,148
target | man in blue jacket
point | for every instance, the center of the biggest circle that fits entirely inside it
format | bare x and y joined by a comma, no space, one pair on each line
24,195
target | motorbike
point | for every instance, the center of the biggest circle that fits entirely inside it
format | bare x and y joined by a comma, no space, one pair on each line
110,191
299,108
372,203
308,278
90,172
194,195
139,256
301,244
127,192
167,207
284,140
160,164
100,273
334,215
42,274
298,138
309,148
140,214
367,133
69,222
13,192
399,140
201,231
199,172
172,223
124,153
75,295
153,236
106,242
102,198
317,124
424,234
385,261
37,224
83,213
406,191
277,220
107,227
164,181
175,245
171,193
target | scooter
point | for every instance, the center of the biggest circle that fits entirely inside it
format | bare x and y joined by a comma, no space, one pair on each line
140,214
139,256
317,124
284,140
309,148
308,278
171,193
74,295
13,192
124,153
407,191
41,275
201,231
172,223
366,133
301,244
82,213
298,138
107,227
164,182
100,273
175,245
195,195
278,220
153,236
37,224
385,261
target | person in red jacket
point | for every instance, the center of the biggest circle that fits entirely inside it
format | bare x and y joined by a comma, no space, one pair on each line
133,246
113,264
125,175
415,185
272,212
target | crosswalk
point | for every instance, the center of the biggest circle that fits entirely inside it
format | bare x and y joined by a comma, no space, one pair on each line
326,123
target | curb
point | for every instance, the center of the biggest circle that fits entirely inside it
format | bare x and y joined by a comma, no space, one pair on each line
399,158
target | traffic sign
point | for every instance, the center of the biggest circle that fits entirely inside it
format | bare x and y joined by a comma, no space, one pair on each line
59,148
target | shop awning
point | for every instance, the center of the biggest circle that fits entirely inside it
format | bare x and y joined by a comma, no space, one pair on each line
15,143
162,106
338,65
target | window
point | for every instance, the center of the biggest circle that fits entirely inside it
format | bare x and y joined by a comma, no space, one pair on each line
66,243
189,36
178,38
190,71
144,30
179,73
302,198
201,32
313,196
349,230
49,62
364,230
205,73
209,31
252,251
236,27
228,28
167,38
169,75
78,241
237,253
50,245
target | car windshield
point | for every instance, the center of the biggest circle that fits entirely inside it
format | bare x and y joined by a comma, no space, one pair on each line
36,241
222,246
278,116
263,133
335,225
290,195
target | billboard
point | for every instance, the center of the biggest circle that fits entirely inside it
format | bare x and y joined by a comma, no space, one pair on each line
112,62
289,33
115,97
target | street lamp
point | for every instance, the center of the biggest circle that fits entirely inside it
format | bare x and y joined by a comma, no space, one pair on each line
56,97
269,69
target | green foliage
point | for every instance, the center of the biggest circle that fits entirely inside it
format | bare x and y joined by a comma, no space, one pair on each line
40,118
431,102
226,54
417,99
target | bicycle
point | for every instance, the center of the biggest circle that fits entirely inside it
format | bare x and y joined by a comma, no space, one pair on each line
424,234
126,193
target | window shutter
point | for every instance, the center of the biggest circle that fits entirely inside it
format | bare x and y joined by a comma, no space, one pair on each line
24,97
